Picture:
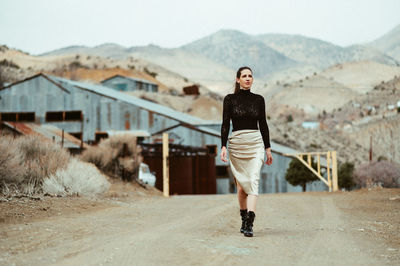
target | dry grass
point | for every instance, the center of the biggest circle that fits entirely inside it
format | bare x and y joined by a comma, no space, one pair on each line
116,156
27,162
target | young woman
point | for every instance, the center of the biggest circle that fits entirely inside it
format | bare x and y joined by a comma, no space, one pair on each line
248,143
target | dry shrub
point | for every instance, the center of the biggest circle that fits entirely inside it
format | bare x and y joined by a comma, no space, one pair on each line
383,173
27,162
79,178
41,158
116,156
11,170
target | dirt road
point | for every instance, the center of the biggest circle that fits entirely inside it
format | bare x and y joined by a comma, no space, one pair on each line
290,229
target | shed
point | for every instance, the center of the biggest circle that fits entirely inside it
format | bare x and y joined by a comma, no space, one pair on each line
123,83
191,90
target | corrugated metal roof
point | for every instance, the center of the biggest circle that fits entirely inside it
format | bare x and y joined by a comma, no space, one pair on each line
156,108
131,78
47,131
137,133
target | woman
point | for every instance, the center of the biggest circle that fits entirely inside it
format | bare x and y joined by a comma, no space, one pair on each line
247,143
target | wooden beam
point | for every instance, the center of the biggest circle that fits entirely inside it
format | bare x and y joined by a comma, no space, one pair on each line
312,170
165,165
319,164
334,172
328,170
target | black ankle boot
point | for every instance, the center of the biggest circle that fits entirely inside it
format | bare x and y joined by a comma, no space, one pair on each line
243,214
249,224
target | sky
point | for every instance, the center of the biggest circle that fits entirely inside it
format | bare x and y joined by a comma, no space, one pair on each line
44,25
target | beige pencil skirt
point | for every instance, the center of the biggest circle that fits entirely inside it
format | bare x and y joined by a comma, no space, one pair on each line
246,157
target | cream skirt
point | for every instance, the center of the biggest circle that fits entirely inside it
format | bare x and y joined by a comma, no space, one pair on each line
246,157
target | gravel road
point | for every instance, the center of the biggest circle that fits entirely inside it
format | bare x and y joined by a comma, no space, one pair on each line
290,229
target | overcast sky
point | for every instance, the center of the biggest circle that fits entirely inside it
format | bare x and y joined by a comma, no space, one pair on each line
44,25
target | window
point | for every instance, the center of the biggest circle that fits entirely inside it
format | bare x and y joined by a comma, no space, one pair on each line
73,116
64,116
10,117
221,170
120,86
54,116
26,117
100,135
212,149
139,85
18,117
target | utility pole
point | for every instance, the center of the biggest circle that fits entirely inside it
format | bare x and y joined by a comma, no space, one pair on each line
370,148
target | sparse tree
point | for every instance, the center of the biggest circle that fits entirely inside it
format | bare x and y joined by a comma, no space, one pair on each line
298,174
345,175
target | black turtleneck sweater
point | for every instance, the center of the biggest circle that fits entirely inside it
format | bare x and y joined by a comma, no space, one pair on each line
245,109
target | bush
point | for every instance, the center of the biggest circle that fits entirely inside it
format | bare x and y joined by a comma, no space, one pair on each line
10,63
384,173
79,178
298,174
153,74
345,175
117,156
11,162
289,118
27,162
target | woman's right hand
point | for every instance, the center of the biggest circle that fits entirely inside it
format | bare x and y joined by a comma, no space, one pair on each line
223,154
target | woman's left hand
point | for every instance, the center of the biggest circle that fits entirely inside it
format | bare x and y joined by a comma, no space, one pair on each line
269,156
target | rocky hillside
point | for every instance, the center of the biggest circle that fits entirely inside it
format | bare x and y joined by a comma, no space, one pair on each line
389,43
361,76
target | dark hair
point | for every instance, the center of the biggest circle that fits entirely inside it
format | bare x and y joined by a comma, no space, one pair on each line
238,73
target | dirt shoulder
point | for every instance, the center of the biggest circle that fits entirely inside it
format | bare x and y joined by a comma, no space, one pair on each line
374,212
14,210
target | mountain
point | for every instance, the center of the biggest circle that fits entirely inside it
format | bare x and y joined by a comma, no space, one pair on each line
319,53
235,49
389,43
212,61
104,50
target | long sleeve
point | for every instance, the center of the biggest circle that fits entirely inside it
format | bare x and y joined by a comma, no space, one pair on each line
263,124
226,121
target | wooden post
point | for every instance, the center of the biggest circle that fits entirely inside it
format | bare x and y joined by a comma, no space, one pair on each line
319,164
165,165
62,139
334,172
328,171
309,159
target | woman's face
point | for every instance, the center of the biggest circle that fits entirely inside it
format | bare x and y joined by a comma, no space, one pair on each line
246,79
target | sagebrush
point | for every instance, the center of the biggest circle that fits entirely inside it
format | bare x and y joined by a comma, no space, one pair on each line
117,156
27,161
